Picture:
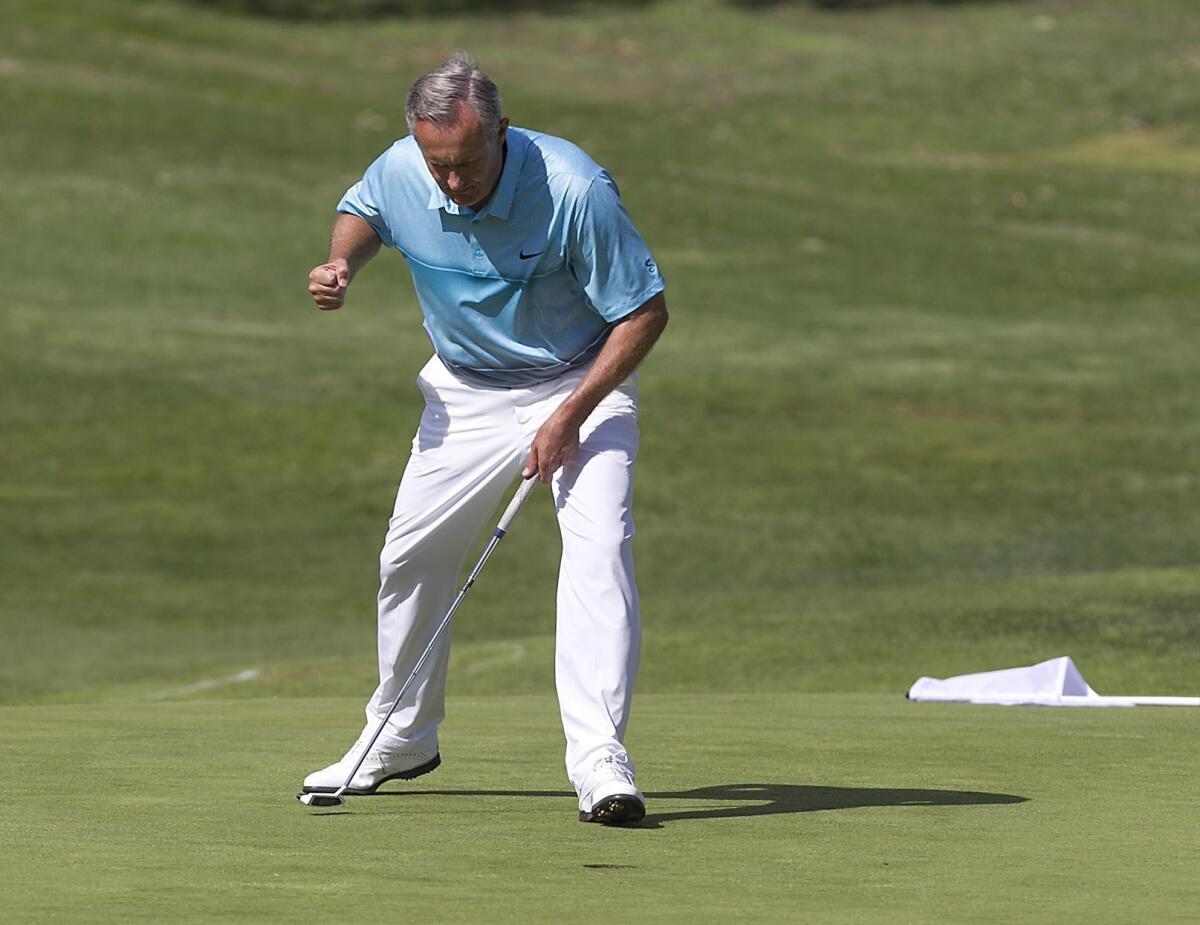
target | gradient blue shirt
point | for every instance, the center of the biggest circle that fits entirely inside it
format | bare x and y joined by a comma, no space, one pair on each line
529,286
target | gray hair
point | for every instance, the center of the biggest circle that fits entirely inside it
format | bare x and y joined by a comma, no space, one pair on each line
436,96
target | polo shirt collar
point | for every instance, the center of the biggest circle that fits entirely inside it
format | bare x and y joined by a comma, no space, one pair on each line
500,205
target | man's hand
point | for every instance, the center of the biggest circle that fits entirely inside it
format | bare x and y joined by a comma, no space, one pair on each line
557,441
327,284
555,445
351,244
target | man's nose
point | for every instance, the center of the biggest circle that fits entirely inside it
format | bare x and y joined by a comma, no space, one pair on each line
454,180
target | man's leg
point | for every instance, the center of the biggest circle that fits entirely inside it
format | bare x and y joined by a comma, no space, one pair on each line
598,636
466,452
468,448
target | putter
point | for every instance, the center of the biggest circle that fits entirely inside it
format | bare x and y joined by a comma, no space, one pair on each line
337,798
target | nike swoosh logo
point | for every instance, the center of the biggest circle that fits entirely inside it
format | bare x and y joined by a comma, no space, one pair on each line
525,256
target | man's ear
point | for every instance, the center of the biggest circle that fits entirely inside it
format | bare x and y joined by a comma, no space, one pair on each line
503,130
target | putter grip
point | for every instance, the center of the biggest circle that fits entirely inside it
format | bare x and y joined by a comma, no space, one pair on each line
515,504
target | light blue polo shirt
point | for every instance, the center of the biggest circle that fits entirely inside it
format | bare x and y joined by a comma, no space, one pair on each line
529,286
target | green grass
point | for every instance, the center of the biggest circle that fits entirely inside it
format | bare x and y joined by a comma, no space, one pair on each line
926,406
777,807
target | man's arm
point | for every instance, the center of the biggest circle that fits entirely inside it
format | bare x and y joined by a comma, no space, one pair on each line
557,442
351,244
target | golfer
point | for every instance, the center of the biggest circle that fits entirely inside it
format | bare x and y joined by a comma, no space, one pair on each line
540,299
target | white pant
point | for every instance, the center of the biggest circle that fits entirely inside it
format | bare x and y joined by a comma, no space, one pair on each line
469,449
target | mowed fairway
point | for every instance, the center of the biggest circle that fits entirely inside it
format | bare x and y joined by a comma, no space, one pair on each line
927,405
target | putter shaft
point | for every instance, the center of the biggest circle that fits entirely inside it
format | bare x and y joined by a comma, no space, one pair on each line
518,499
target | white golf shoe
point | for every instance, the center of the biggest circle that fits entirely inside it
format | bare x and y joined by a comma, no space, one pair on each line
608,794
387,761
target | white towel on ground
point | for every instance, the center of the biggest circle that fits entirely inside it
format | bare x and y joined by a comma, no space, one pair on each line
1053,683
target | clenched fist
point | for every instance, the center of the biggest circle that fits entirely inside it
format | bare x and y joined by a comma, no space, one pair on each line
327,284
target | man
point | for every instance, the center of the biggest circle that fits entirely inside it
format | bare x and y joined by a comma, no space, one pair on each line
540,299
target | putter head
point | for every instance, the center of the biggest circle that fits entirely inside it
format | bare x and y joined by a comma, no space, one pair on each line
320,799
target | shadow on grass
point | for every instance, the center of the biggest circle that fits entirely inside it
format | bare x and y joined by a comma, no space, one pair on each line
756,799
775,799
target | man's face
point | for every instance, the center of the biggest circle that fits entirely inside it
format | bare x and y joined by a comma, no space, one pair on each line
464,159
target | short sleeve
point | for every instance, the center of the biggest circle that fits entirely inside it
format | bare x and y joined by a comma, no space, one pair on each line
366,199
608,257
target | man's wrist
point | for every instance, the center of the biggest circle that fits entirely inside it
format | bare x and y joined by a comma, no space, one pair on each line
574,410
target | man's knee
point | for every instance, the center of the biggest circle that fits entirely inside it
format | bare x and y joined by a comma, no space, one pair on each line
399,554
